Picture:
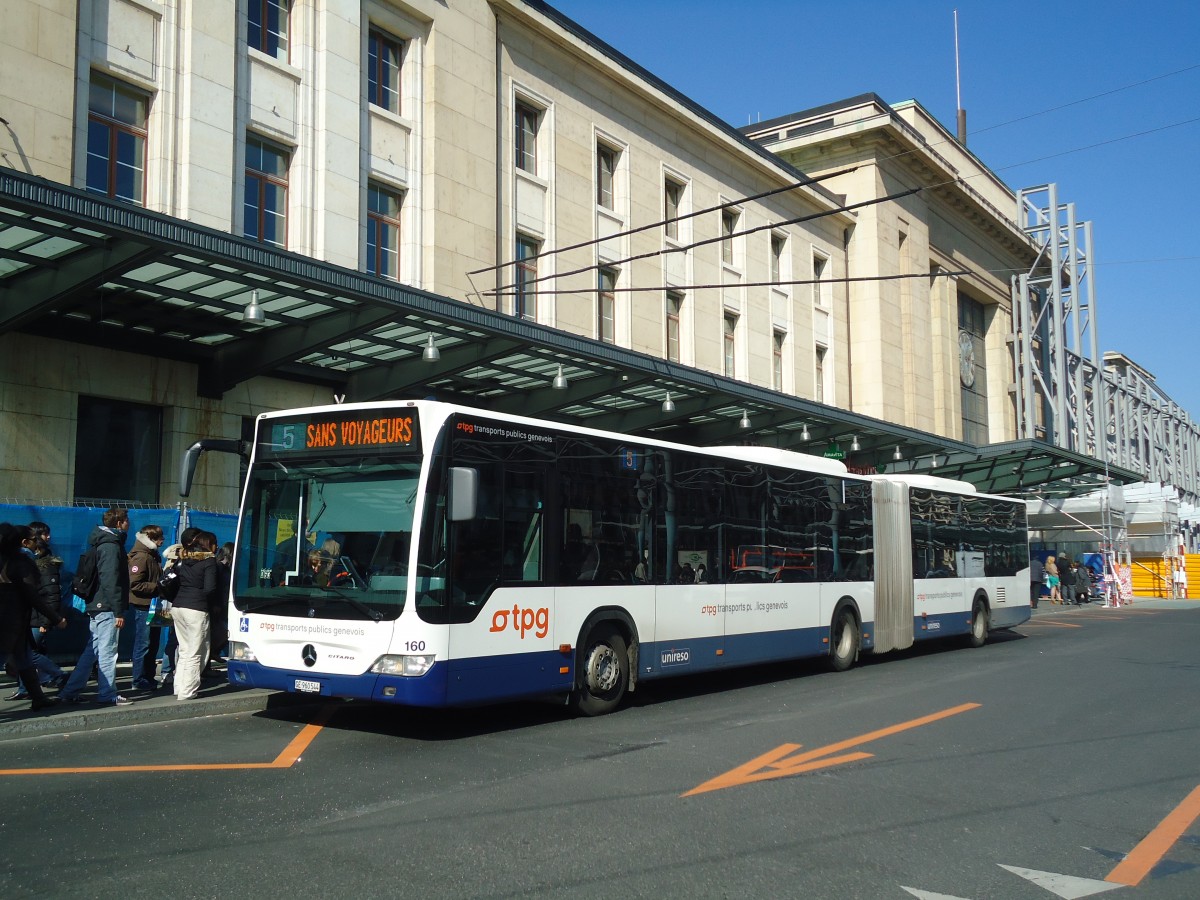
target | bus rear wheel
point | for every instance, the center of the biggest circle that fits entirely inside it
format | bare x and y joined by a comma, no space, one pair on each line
979,624
843,640
604,673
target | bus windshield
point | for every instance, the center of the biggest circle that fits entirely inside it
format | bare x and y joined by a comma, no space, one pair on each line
327,538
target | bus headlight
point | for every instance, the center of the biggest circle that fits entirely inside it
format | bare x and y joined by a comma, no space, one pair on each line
241,652
395,664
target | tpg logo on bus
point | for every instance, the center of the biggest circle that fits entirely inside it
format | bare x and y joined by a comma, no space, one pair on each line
523,620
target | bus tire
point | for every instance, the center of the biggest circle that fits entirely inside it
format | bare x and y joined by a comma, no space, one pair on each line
843,639
603,672
978,634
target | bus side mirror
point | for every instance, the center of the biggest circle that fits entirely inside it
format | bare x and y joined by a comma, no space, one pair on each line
464,493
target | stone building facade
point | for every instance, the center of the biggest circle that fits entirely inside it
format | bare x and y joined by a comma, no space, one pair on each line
937,346
495,153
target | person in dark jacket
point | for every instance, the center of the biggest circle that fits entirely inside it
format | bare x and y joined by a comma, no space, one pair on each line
198,579
106,610
1083,582
219,614
145,572
36,544
18,598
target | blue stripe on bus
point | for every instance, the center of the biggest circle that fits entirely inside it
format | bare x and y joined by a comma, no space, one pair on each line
456,682
482,679
661,659
428,690
944,625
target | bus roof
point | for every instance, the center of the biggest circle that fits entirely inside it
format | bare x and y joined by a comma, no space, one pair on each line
930,481
774,456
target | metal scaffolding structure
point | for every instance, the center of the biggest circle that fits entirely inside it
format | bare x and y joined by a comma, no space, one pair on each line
1057,366
1064,392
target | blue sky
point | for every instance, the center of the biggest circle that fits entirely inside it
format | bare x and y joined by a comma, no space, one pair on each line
757,59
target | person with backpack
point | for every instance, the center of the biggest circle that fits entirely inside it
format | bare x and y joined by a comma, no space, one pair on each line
106,589
18,598
145,573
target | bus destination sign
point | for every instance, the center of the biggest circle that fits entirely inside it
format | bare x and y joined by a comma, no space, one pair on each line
342,433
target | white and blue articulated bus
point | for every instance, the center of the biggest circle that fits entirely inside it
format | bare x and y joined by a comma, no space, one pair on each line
422,553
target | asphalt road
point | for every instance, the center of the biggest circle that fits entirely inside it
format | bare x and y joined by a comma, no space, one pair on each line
1057,751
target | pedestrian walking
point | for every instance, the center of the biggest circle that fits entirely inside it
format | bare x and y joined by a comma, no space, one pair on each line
145,572
1037,578
1066,581
35,545
105,610
19,597
1052,579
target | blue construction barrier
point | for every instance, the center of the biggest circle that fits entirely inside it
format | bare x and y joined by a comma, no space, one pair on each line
69,530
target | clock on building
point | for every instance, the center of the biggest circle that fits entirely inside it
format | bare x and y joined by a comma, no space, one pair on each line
966,358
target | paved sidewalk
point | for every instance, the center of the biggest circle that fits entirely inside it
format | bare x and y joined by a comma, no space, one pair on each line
1046,608
216,698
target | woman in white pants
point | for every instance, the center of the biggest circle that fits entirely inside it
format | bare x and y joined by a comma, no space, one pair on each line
189,610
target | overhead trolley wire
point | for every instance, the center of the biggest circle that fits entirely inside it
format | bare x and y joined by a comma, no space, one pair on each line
742,284
700,212
506,290
503,290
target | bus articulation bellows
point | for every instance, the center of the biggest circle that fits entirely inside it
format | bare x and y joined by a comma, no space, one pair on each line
422,553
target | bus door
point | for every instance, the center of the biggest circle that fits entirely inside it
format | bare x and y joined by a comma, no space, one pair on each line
501,604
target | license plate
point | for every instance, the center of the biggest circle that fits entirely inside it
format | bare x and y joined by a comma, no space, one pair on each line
308,687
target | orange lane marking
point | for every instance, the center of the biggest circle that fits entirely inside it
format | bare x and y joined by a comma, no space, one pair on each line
1154,846
285,760
773,764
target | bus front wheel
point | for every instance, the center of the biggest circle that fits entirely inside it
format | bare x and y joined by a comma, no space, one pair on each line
843,640
604,673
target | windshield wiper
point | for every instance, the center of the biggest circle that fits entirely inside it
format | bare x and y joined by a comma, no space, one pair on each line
374,614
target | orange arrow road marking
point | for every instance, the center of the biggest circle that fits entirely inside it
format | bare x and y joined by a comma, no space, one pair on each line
773,764
285,760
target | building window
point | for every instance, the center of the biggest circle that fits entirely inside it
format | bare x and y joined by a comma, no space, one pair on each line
383,231
118,451
778,338
729,221
674,307
730,346
267,26
819,373
606,307
116,140
527,121
672,200
384,55
606,171
972,372
525,289
822,292
778,245
265,203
